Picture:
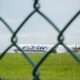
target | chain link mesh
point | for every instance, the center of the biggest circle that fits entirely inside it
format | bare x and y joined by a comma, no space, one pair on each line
60,38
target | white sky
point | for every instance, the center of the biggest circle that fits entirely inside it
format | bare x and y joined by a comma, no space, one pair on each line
37,30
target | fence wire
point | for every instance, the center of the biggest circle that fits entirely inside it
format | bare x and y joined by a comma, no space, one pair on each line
60,38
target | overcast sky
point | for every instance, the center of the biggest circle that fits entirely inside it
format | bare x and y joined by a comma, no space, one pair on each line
37,30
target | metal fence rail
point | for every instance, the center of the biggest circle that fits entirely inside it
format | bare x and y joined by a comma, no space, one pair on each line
60,38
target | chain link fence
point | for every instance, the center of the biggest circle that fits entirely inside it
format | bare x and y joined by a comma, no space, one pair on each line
60,38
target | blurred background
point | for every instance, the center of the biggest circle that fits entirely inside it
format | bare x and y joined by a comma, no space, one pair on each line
37,30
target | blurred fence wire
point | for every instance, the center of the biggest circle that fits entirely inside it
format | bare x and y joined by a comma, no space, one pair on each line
60,38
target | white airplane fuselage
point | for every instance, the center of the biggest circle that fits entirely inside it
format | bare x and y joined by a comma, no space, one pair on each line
33,48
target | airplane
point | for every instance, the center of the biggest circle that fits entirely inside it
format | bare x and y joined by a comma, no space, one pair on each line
39,48
33,48
74,48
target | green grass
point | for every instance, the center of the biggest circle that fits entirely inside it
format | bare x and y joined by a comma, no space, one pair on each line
55,67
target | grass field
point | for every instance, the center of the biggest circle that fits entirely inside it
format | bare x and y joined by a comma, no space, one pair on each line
55,67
